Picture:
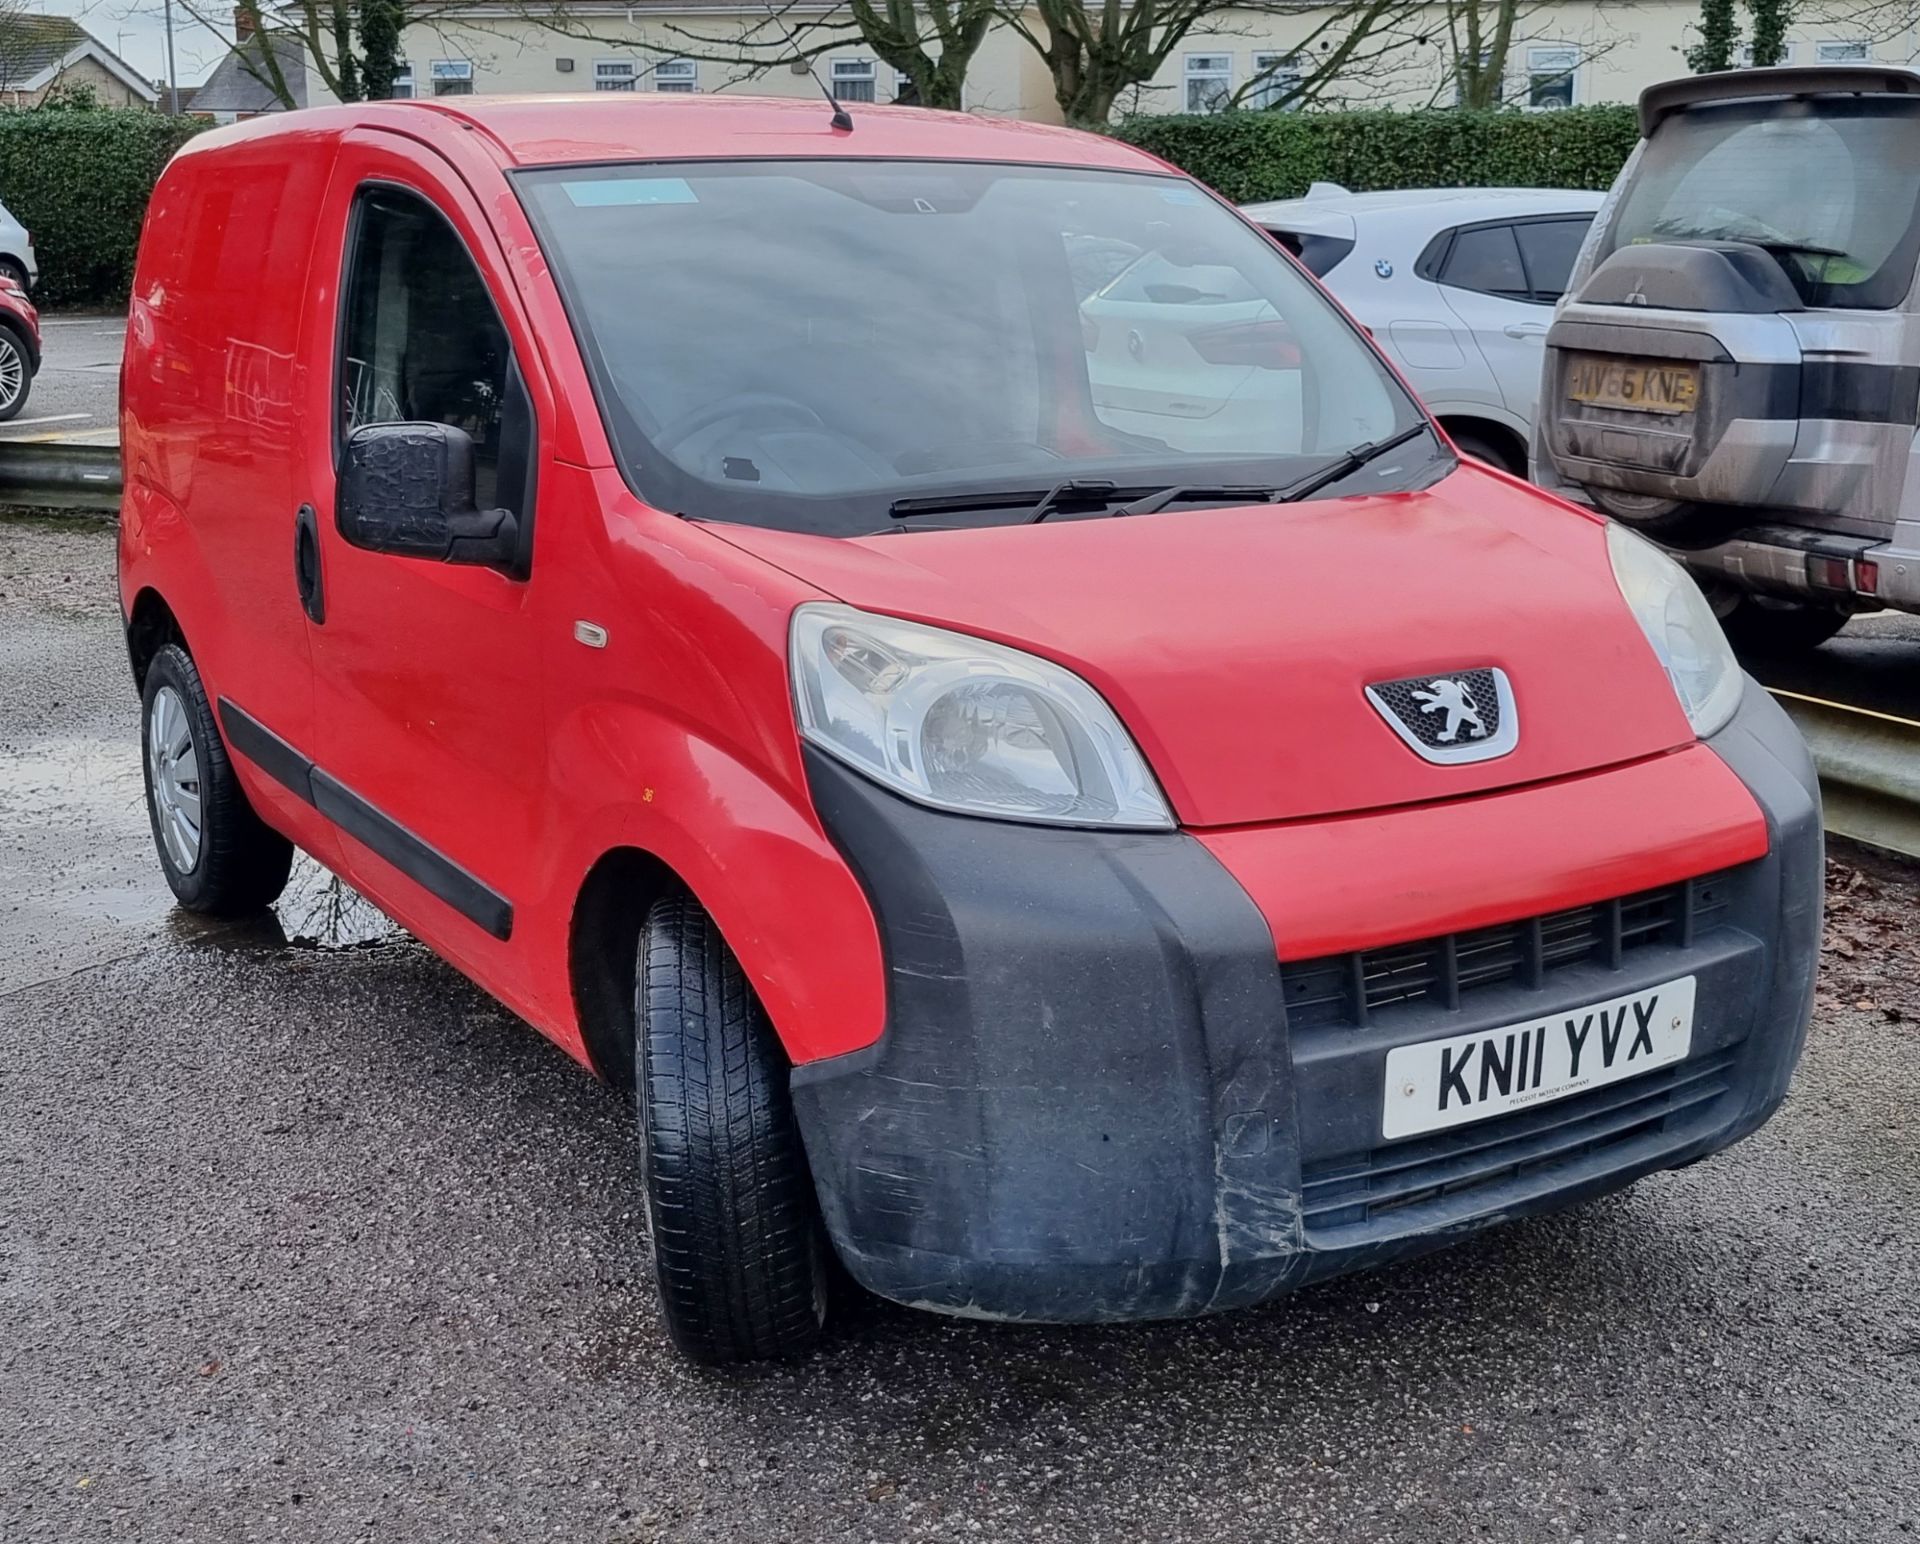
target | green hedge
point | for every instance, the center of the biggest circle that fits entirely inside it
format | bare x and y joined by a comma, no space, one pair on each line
1249,156
80,181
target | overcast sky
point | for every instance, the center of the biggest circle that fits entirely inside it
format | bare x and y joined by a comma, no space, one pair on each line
136,31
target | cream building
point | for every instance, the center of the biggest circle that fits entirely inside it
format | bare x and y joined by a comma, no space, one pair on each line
1565,52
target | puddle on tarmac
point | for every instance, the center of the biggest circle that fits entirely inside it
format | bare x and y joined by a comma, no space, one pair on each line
317,910
80,870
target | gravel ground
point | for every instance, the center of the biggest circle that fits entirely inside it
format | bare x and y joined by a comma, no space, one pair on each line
302,1238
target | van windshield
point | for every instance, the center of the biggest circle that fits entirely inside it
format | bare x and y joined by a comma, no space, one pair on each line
1830,187
818,346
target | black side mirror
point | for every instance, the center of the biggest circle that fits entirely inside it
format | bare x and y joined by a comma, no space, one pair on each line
408,489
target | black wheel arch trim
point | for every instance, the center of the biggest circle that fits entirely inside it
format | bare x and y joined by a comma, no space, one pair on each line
366,823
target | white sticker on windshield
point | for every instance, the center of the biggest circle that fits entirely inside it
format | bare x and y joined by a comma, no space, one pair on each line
626,192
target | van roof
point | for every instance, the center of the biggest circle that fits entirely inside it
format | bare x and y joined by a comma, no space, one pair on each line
622,126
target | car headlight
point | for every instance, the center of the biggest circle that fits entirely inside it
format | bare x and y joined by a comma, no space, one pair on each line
1681,626
966,725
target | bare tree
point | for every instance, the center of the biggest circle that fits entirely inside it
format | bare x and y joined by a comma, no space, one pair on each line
351,46
1479,38
1099,51
932,43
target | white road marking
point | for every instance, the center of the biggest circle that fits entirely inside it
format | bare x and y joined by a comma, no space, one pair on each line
49,418
65,437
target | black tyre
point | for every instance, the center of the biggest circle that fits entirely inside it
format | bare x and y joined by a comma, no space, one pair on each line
1668,521
219,857
16,374
1479,448
1761,625
737,1241
12,268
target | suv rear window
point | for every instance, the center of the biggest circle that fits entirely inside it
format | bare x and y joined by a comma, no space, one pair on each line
1829,187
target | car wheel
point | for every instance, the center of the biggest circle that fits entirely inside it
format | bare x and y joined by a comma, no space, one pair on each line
11,268
219,857
731,1211
1669,521
1479,448
16,375
1761,625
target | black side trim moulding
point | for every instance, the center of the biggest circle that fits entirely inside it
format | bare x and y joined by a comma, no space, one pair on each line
428,867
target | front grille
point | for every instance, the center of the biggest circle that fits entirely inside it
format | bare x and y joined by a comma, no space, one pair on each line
1413,701
1412,1181
1348,989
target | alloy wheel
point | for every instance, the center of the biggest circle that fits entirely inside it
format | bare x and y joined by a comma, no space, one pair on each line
173,768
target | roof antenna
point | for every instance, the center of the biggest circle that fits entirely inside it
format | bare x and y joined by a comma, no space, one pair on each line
842,119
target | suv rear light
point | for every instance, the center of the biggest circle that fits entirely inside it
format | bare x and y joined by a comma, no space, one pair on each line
1830,573
1866,577
1268,345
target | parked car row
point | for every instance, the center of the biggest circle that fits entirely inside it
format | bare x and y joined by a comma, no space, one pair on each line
1457,286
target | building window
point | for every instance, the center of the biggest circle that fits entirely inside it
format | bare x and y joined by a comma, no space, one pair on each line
1209,82
1787,52
853,80
676,75
1550,73
1274,77
613,75
402,82
452,77
1841,53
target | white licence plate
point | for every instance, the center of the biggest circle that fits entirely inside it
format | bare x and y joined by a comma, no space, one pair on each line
1441,1083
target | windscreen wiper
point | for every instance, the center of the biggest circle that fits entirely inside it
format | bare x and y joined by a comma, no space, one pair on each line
1344,465
1197,493
1037,503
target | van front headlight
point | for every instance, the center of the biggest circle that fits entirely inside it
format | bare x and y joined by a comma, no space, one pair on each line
966,725
1682,628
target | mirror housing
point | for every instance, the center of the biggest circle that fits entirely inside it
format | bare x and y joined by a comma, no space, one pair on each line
407,489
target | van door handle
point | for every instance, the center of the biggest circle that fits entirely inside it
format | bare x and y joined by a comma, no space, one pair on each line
306,564
1525,329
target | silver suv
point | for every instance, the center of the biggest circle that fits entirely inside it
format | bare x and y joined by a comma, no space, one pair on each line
1736,368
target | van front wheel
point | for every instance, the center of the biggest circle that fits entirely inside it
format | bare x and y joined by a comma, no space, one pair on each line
219,857
735,1226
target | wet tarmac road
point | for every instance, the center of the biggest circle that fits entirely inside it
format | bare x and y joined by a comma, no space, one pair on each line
1873,663
313,1242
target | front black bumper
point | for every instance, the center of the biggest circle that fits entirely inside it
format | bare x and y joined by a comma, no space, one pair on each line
1090,1102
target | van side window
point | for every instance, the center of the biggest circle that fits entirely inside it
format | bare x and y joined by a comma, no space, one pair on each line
424,343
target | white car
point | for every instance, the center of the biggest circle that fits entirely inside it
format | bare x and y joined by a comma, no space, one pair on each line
1457,285
16,252
1189,354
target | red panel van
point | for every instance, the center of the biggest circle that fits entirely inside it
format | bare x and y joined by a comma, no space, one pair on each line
938,656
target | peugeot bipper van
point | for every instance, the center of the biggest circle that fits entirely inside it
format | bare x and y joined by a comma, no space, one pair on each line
1736,369
1062,859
